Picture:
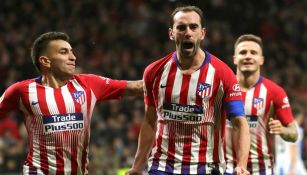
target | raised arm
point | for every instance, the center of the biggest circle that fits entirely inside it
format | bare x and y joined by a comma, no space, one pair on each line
241,139
134,88
145,142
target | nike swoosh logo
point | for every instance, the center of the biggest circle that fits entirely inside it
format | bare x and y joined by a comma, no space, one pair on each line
162,86
34,103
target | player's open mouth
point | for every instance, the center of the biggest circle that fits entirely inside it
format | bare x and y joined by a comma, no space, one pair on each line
187,45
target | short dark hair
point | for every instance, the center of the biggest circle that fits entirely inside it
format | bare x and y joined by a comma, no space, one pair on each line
41,43
186,9
249,37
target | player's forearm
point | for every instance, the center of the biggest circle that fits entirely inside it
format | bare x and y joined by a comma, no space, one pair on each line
289,133
134,88
241,138
145,142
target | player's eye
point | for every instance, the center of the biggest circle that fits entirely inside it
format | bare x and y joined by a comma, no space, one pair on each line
242,52
193,26
63,51
181,27
253,52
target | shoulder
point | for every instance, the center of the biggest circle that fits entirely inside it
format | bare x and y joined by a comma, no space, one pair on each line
271,85
214,60
158,65
23,83
85,77
218,64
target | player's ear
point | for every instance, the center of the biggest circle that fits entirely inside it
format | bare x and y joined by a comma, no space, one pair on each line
170,34
235,60
203,33
44,61
261,60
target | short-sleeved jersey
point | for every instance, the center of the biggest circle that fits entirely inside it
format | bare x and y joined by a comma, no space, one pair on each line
266,99
58,120
189,107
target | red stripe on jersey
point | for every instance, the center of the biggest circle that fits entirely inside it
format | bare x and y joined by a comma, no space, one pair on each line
170,82
158,143
203,144
156,89
158,154
74,153
27,104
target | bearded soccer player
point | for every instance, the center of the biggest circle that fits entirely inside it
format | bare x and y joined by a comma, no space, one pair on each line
266,106
186,93
57,107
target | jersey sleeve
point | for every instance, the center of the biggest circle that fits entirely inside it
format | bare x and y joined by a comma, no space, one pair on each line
282,106
9,100
231,86
233,96
105,88
148,88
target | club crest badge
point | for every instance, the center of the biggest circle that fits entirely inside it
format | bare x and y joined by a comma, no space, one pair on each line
79,97
258,103
204,90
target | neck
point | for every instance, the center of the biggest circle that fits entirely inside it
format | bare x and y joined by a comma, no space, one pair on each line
52,81
190,65
247,80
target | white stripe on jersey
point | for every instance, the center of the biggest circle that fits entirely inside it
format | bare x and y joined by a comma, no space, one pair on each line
70,108
36,127
69,101
177,87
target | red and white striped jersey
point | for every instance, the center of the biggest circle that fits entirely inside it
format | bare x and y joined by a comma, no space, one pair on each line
58,120
266,99
190,127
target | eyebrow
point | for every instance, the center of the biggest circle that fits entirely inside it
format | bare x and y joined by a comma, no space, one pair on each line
65,49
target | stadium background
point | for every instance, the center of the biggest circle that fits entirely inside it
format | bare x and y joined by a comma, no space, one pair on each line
119,38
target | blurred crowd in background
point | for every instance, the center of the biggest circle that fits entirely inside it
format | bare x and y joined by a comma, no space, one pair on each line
118,38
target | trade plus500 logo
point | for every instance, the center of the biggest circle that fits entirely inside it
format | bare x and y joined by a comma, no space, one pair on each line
172,111
63,122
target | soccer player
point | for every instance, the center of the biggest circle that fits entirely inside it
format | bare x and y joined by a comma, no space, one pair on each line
266,107
185,95
289,155
58,105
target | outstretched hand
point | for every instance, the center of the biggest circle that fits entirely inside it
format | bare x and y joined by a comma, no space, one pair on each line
241,171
